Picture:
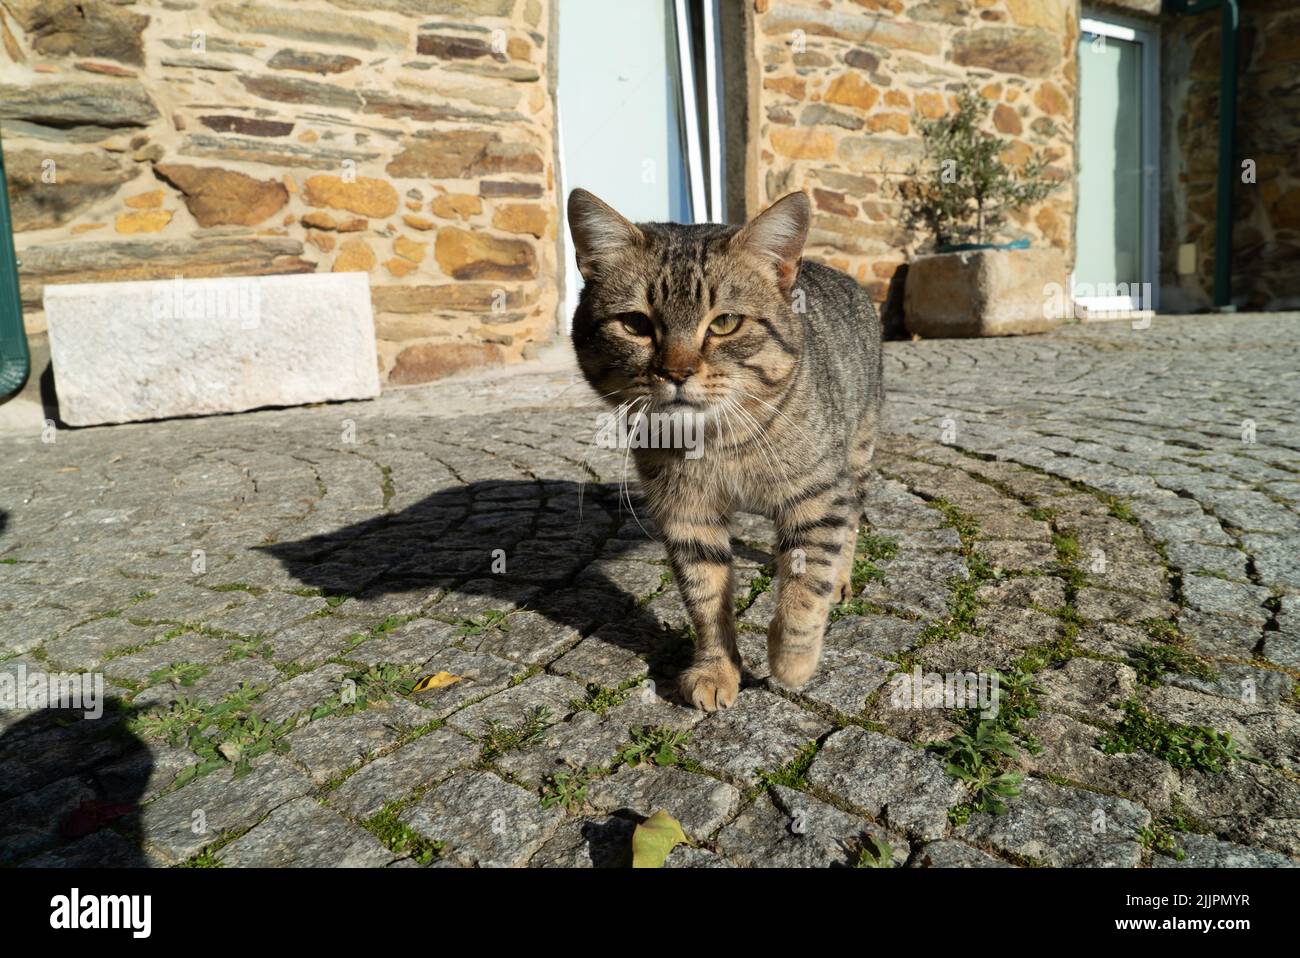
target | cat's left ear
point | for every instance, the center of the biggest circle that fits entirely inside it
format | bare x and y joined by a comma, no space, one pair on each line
778,233
597,230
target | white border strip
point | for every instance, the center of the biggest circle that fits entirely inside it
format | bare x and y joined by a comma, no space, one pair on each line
568,258
1102,28
694,155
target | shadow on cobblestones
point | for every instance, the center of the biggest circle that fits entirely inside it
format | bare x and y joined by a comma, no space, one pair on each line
75,783
509,546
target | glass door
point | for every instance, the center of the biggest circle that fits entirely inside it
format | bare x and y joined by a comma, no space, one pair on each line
638,94
1116,232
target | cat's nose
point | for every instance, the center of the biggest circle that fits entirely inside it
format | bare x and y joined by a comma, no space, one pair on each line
676,374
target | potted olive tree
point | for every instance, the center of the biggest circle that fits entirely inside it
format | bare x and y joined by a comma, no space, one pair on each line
961,194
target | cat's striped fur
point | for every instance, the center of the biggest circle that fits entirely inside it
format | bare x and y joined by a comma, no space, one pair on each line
791,400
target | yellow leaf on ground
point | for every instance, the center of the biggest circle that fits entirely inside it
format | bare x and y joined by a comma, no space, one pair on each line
439,680
654,839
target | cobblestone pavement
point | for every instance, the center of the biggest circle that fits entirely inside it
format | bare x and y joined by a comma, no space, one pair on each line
1107,517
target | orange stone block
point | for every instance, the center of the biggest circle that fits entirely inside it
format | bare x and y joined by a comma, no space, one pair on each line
322,241
355,256
930,105
793,87
362,195
521,218
895,122
804,144
1050,99
409,249
851,90
143,221
400,267
458,206
1006,120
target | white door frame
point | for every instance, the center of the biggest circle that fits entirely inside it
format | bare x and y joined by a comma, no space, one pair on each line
1099,24
703,139
695,146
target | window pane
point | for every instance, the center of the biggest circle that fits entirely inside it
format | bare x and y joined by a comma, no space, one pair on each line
620,106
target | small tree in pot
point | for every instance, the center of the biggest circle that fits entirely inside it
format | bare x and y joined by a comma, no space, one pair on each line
964,192
961,195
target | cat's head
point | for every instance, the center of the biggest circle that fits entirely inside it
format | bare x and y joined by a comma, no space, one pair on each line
687,317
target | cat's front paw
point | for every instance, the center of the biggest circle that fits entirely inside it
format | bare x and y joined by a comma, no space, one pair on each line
711,685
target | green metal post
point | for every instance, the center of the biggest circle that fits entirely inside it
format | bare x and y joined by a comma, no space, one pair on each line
15,359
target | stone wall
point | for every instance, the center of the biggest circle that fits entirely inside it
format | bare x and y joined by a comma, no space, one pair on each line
410,139
1266,213
840,85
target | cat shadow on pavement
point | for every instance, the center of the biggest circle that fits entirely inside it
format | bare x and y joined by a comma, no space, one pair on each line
565,549
71,788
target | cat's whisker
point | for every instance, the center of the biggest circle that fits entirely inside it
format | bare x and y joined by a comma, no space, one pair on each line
581,382
600,402
613,392
627,452
799,430
736,440
582,482
749,395
769,453
731,430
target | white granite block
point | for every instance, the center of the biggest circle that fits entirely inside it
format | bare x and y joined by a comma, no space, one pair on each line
186,347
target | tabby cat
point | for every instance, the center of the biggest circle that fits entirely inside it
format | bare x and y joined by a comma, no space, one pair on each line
781,359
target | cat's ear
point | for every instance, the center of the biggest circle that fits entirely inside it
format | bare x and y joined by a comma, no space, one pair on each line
597,230
778,233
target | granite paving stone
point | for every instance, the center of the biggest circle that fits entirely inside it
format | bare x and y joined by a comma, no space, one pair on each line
182,822
1058,826
484,820
302,834
334,743
702,804
914,798
762,731
427,760
789,829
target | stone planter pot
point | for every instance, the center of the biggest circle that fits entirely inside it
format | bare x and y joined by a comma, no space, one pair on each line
986,292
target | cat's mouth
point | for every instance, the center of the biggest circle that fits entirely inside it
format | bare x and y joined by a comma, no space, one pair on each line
680,403
676,398
682,406
669,398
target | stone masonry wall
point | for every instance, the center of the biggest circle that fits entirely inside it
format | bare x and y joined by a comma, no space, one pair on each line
841,84
1266,213
410,139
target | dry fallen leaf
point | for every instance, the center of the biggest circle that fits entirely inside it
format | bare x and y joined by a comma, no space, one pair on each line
439,680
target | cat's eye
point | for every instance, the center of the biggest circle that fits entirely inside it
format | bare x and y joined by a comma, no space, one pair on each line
638,324
726,324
